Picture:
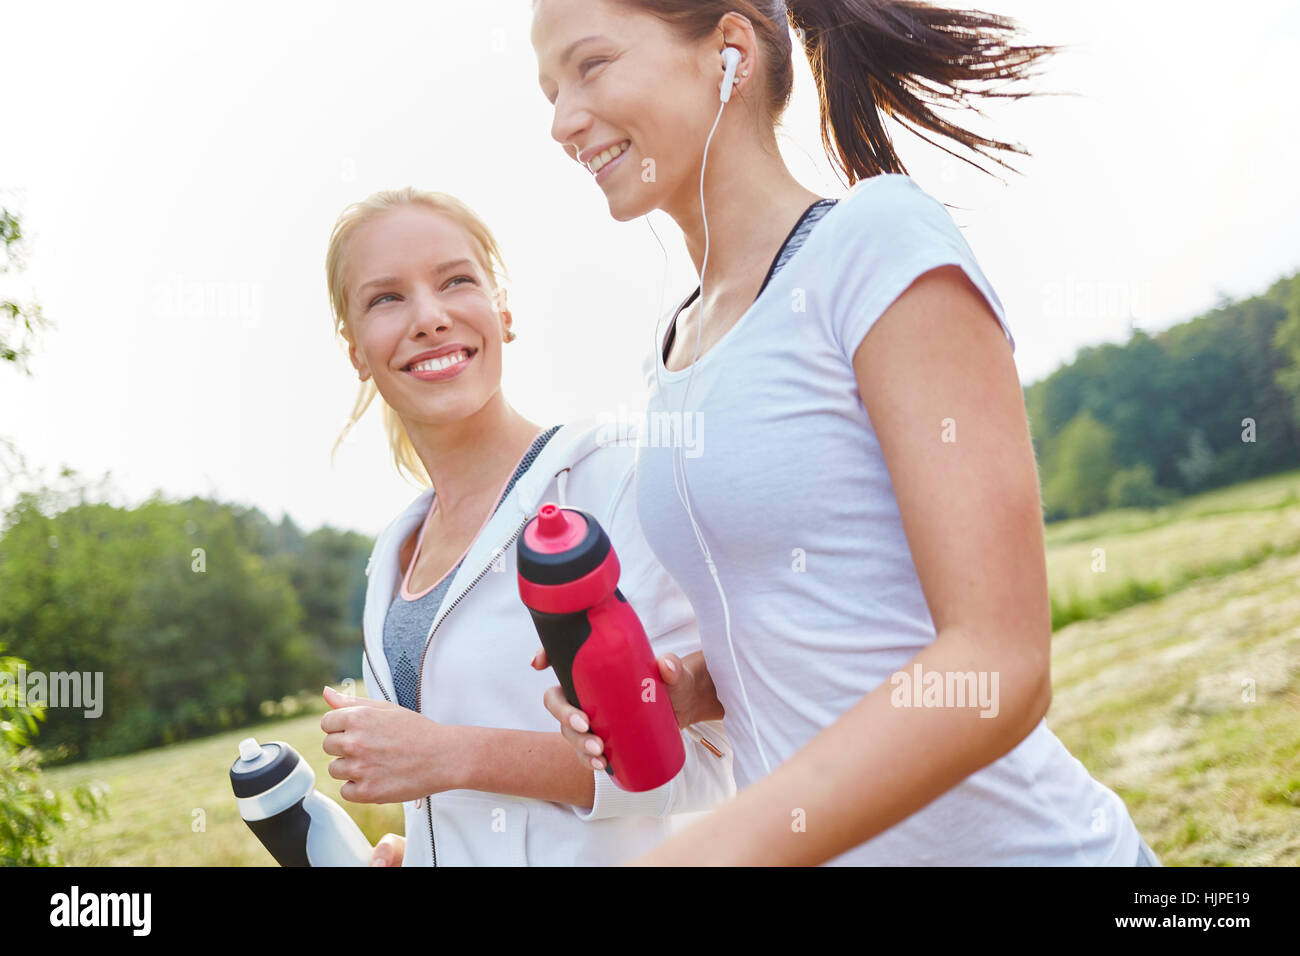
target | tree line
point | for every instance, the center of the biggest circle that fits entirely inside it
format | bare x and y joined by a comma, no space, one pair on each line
1206,403
195,612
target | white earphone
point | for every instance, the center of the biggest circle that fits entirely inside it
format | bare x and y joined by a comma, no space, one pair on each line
730,60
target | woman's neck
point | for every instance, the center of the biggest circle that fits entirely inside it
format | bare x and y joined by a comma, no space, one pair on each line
471,457
751,205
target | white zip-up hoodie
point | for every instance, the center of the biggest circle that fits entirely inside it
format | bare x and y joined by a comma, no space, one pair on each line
475,671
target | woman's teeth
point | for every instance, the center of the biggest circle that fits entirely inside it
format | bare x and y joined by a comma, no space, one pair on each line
608,156
442,362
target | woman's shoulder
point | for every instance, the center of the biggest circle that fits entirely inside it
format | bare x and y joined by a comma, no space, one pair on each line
888,226
597,451
886,187
879,208
880,238
608,448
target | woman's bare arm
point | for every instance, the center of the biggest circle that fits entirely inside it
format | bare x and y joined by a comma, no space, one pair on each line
525,763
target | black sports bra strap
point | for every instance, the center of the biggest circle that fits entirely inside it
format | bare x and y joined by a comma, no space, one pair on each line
793,242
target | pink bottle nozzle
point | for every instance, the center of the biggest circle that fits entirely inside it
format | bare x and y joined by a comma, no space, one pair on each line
555,530
550,522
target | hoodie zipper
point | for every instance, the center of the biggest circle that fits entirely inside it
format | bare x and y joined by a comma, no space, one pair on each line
374,673
419,687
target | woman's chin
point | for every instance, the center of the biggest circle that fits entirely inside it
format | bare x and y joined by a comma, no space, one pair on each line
441,410
620,210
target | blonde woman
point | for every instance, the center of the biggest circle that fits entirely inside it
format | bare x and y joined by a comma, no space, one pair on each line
451,729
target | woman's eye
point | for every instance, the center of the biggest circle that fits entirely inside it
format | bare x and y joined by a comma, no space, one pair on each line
466,278
381,299
596,61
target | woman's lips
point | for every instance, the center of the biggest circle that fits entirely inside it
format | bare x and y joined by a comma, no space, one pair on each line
609,167
441,375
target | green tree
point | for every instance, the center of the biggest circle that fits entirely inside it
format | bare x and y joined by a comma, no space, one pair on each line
1226,370
1197,466
190,629
1287,341
329,576
1207,402
30,813
1080,468
19,322
1136,488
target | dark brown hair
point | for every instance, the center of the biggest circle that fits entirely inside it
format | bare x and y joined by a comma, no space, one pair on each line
869,57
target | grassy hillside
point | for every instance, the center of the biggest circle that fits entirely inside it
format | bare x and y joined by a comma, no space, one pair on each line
1116,559
1156,702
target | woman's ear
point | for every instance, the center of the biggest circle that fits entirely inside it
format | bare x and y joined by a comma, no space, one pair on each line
499,303
738,31
358,364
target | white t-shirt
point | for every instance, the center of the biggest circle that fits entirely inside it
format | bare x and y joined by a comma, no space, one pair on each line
792,495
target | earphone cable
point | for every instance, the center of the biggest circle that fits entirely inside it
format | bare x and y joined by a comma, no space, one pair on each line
679,462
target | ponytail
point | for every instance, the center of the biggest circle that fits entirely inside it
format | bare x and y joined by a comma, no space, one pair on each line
869,56
898,57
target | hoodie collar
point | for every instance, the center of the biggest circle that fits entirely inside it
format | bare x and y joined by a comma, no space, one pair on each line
568,446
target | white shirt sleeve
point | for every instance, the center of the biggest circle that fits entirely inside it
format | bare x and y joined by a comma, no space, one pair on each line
892,233
705,779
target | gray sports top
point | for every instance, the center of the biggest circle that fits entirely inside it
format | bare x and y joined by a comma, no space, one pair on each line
410,616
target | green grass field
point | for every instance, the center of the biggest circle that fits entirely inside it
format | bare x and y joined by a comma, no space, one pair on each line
1177,685
1110,561
155,797
1189,708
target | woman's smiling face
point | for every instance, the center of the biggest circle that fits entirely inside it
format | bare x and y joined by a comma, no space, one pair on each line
415,285
620,78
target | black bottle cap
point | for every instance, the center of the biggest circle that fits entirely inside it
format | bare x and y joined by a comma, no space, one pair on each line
541,568
274,762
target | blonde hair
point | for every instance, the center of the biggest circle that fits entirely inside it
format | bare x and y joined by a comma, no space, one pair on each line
405,458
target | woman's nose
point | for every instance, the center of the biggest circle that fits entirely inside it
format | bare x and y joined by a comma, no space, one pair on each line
430,314
568,124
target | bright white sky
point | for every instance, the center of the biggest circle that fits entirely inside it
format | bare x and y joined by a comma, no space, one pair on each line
180,166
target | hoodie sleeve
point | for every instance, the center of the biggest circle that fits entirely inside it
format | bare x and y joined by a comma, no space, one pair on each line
706,779
369,678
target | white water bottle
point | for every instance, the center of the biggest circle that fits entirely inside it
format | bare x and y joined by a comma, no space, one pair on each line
275,790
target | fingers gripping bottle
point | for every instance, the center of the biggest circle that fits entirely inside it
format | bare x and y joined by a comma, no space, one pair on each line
568,579
300,826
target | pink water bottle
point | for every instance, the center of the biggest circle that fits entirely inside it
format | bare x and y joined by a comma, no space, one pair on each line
568,578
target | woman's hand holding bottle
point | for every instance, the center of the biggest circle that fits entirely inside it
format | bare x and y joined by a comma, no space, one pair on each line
690,689
388,753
